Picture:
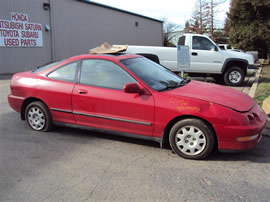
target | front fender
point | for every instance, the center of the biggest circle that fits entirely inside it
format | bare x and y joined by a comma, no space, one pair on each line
231,60
172,107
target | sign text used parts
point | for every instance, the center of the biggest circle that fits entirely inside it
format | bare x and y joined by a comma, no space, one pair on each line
19,32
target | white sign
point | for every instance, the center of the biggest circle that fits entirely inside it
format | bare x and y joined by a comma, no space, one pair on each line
18,32
183,59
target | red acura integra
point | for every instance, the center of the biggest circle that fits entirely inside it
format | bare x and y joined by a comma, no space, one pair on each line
133,96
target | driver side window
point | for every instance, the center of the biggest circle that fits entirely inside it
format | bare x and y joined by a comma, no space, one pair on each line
104,74
201,43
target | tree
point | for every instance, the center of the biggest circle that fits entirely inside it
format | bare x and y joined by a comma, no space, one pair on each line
169,31
220,36
187,27
227,26
199,19
249,22
204,17
212,11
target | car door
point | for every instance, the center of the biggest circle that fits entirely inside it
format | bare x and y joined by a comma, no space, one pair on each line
56,91
99,101
205,56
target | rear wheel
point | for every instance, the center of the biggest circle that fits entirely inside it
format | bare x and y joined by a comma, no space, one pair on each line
234,76
38,116
192,139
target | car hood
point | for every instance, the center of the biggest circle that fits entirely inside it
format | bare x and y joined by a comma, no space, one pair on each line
240,55
217,94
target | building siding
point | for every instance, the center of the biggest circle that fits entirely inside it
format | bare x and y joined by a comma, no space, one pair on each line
79,26
76,27
22,59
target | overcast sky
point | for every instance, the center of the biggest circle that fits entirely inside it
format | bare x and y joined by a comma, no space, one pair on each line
177,11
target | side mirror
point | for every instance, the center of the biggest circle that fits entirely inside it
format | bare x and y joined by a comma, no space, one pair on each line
132,88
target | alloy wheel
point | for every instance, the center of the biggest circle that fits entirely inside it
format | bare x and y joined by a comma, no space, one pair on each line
190,140
36,118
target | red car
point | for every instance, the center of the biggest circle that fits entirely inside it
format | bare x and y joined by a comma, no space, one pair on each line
133,96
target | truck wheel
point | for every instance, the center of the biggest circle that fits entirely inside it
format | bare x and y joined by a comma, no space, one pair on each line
234,76
192,139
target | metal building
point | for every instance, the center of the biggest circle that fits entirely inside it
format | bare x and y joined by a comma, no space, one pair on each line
34,32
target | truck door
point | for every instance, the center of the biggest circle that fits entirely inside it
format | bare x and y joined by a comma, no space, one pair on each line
205,56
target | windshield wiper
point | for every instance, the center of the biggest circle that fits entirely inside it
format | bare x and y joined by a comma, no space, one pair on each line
185,81
174,85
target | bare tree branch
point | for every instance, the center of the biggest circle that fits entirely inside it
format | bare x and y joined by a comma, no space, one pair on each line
169,29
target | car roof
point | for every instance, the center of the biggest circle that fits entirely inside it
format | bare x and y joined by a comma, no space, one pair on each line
111,57
117,57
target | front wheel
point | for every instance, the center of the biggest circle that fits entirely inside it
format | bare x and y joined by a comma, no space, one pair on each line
38,116
234,76
192,139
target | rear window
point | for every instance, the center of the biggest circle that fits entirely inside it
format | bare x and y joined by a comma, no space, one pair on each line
46,66
65,73
182,40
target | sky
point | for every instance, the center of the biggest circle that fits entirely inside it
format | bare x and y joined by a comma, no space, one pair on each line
176,11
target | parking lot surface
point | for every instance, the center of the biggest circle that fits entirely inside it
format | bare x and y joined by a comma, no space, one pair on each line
76,165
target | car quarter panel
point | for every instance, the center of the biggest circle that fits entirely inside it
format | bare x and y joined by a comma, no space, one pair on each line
57,96
22,86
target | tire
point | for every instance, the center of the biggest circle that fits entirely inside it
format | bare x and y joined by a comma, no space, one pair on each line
234,76
38,116
192,139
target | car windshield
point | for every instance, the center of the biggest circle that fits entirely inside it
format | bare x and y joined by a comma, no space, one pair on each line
46,66
153,74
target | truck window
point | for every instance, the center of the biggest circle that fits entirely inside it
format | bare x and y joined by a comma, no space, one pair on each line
181,40
222,47
201,43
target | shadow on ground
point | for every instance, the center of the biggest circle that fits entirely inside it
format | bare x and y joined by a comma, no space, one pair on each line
5,76
260,154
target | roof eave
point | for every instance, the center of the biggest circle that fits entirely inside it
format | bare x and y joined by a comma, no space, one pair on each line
120,10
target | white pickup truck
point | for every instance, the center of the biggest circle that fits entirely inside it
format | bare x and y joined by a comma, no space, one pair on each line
206,59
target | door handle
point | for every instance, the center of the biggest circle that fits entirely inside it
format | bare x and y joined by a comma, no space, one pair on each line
82,91
194,53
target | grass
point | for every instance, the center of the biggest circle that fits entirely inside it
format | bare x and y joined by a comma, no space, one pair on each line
263,89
